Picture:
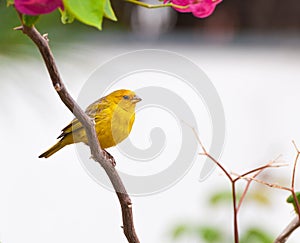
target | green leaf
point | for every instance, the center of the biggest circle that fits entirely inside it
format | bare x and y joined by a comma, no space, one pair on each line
89,12
210,234
256,235
180,230
30,20
66,16
290,199
226,197
220,197
109,12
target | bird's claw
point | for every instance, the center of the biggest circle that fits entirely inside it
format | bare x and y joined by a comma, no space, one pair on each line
107,156
92,119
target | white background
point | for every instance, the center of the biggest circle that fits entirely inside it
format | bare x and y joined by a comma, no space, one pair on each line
54,200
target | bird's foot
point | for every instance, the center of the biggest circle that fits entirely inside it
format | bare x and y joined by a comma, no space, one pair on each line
109,157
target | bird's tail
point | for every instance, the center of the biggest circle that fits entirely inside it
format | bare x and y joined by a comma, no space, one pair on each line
59,145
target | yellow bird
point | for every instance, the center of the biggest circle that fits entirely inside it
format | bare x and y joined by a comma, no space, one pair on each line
113,115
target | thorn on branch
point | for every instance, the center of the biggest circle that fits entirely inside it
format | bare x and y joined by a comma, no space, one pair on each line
57,87
129,203
295,145
45,36
18,28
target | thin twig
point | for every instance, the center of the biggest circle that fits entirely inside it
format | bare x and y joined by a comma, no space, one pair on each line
252,171
271,164
196,136
258,171
230,178
246,190
205,153
293,180
267,183
124,199
295,145
221,167
295,164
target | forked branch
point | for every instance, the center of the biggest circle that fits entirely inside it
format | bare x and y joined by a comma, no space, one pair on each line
233,178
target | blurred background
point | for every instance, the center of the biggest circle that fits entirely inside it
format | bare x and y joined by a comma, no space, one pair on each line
233,21
250,51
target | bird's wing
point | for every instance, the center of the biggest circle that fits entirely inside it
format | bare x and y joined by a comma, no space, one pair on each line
92,110
73,126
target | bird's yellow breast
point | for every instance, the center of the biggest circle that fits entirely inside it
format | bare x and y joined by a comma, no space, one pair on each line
113,129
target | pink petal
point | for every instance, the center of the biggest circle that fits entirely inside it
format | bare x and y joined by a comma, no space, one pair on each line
36,7
203,8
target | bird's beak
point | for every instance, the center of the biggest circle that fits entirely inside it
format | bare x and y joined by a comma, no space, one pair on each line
136,99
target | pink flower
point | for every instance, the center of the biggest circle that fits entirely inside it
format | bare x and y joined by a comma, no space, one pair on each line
203,8
199,8
182,3
37,7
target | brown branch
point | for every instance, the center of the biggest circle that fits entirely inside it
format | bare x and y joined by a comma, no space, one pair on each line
235,213
294,170
42,43
267,183
285,234
259,169
249,181
295,165
205,153
246,190
293,180
233,181
230,178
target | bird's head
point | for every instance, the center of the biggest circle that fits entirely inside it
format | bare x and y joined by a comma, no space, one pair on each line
125,99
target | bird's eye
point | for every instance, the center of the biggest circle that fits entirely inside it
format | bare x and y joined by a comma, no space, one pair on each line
126,97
